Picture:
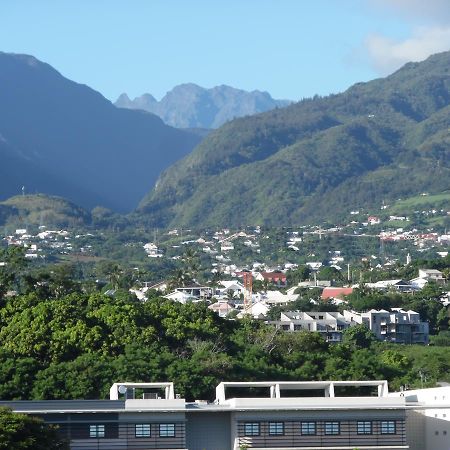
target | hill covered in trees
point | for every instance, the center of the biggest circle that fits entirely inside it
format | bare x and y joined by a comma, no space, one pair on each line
318,158
26,210
62,138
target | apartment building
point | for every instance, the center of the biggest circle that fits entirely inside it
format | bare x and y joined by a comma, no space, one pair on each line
333,415
397,325
329,324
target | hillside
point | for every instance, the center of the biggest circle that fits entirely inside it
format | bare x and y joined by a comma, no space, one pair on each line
192,106
63,138
39,209
317,159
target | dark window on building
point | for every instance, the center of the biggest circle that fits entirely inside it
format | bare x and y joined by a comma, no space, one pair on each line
142,430
332,428
96,431
251,429
364,427
166,430
308,428
388,427
276,428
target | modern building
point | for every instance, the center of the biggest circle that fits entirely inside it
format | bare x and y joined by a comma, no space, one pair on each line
330,325
403,327
332,415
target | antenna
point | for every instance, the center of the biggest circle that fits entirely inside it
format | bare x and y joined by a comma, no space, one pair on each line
23,190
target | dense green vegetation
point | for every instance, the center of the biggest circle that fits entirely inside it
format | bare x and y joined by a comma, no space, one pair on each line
318,158
22,432
60,337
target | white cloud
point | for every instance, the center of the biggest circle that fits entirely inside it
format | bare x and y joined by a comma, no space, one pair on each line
387,55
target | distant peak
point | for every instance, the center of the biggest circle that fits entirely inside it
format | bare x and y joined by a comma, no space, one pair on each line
123,97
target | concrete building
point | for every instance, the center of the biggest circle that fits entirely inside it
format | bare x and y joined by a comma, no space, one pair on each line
398,326
331,415
403,327
329,324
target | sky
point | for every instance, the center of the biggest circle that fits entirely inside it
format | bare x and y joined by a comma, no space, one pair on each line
290,48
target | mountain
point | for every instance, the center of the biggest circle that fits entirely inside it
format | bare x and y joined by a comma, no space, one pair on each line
63,138
316,159
42,209
191,106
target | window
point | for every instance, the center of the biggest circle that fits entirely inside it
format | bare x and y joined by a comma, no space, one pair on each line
96,431
251,429
308,428
276,428
387,427
332,428
142,430
364,427
166,430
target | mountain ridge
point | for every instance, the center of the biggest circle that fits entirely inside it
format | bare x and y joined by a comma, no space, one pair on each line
189,105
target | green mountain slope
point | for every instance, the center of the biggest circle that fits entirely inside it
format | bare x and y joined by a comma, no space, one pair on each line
63,138
25,210
318,158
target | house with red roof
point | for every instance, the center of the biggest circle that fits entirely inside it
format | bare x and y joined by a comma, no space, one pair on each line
336,292
277,278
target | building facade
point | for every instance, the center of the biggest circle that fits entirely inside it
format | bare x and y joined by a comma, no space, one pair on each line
329,415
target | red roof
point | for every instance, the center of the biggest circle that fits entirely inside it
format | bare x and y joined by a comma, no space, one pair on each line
334,292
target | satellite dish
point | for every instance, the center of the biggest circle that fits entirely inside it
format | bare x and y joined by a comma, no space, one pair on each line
122,389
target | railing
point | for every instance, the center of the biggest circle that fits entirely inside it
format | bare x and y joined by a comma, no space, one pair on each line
122,436
348,435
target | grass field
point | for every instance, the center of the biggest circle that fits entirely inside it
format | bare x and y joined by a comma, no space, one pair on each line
422,200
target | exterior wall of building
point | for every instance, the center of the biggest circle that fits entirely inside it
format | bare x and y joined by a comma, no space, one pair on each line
320,429
117,431
415,430
429,422
208,431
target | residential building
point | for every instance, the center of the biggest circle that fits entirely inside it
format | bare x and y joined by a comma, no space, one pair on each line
222,308
403,327
432,275
391,285
331,415
329,324
277,278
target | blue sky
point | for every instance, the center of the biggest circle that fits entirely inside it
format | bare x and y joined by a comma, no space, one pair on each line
290,48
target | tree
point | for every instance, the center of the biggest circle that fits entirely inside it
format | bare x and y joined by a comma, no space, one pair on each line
358,336
22,432
302,273
329,274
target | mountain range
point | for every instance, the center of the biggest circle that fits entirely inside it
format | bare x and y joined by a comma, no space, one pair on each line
60,137
192,106
316,159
